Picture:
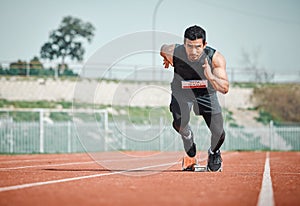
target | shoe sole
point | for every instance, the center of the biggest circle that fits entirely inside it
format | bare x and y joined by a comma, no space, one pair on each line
209,170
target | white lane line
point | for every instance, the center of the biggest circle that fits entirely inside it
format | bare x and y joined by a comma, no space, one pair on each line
94,161
16,187
78,163
266,197
30,160
101,161
46,165
3,161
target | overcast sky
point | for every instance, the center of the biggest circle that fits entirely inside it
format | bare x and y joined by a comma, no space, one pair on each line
268,30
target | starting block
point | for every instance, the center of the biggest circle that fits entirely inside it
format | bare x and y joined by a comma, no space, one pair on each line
191,164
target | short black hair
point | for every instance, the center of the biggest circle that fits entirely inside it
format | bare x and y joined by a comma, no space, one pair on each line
195,32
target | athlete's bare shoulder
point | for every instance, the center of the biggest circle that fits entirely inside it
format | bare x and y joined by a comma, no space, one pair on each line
168,46
166,52
218,60
168,49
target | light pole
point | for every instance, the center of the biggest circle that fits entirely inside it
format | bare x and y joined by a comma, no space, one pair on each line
153,37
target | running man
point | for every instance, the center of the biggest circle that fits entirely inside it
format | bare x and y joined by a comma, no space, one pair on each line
199,71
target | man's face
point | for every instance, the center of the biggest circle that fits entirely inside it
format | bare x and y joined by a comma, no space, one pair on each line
194,49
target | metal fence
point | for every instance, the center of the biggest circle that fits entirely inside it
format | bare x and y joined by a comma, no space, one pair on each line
70,137
149,73
137,73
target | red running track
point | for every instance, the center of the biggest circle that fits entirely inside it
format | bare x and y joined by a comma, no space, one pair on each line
76,179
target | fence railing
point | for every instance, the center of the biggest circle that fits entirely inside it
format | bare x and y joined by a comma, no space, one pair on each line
68,137
158,73
44,136
138,73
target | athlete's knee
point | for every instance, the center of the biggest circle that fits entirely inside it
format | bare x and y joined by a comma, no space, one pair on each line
181,129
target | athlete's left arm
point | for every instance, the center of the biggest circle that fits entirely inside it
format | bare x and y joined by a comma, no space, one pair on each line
218,77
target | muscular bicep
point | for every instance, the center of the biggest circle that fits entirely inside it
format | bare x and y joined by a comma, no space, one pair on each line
219,65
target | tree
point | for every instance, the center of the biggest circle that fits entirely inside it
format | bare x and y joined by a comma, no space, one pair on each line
251,63
66,41
35,63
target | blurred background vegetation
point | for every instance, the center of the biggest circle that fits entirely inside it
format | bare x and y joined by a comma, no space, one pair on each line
278,102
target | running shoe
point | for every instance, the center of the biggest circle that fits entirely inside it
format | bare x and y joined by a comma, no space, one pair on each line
214,162
188,163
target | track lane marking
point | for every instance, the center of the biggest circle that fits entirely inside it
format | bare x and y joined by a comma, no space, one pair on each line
97,162
29,160
266,197
16,187
22,186
78,163
46,165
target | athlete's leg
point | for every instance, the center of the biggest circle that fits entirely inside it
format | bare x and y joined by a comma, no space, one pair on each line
215,124
181,117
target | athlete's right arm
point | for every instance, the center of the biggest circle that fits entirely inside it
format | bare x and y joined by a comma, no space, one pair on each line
166,51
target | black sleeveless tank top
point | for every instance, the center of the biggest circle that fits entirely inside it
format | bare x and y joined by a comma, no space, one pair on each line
187,70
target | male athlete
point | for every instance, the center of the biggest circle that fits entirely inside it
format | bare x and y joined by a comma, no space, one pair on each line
199,71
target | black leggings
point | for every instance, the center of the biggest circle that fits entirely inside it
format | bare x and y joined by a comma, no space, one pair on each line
181,117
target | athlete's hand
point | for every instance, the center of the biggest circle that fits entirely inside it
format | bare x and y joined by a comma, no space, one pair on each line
166,63
166,51
207,69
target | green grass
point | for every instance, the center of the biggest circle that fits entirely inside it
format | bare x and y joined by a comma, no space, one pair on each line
265,117
140,115
277,102
34,104
135,115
